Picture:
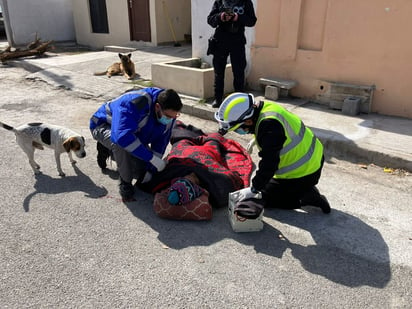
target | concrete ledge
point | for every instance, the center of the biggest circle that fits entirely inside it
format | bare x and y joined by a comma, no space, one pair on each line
282,87
187,77
119,49
333,95
278,82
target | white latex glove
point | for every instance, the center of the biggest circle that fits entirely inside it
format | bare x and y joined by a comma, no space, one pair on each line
147,177
158,163
248,193
250,146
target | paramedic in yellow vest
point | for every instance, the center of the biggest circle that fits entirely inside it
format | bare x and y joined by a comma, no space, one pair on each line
291,155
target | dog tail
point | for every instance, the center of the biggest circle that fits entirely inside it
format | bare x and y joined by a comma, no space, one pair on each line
7,127
99,73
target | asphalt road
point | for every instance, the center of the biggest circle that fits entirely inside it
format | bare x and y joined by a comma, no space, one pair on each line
71,243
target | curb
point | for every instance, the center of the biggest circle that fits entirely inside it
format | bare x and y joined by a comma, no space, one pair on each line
333,145
200,110
351,152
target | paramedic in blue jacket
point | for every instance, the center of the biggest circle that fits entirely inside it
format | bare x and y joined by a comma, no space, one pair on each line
136,127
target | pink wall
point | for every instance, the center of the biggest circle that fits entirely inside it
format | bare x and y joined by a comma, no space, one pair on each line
357,42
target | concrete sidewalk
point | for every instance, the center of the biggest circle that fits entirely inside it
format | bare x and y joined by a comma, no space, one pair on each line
367,138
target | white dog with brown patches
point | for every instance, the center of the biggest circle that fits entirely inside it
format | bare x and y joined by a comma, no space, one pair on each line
36,135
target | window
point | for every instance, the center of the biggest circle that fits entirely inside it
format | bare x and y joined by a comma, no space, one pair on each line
98,15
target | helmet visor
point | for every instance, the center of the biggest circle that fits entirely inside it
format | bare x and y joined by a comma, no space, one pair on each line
229,126
233,125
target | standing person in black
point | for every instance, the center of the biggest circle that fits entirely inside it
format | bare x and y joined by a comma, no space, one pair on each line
229,17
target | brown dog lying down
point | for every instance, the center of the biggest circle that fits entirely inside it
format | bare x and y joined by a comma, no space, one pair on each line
125,67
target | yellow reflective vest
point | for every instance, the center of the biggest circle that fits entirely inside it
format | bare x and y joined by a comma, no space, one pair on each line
302,151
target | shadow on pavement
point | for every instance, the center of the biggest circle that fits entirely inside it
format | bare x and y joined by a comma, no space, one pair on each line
48,185
29,67
346,250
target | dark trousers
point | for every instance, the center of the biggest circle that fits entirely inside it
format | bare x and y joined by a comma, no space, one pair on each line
287,193
128,166
237,55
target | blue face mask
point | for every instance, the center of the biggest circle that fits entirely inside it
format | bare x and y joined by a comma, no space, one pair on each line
165,120
241,131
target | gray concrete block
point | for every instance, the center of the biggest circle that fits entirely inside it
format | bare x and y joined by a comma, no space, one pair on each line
283,92
351,106
271,92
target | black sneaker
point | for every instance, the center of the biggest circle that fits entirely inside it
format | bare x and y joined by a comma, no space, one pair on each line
102,155
126,190
314,198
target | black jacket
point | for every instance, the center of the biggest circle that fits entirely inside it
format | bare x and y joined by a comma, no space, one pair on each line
233,31
271,137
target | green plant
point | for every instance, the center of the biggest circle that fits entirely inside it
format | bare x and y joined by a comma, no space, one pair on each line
143,82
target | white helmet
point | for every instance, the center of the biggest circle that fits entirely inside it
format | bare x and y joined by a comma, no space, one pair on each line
234,110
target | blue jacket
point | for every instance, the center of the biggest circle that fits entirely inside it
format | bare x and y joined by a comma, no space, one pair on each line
134,124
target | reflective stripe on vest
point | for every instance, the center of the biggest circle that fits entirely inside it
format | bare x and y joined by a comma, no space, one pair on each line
131,147
299,162
108,113
143,122
291,157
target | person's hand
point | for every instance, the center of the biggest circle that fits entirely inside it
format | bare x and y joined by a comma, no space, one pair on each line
225,17
147,177
248,193
158,163
250,145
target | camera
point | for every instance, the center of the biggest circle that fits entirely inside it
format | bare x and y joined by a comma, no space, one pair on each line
228,10
229,13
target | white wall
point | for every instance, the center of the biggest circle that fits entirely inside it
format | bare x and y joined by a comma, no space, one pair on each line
118,19
119,33
179,14
201,31
51,19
